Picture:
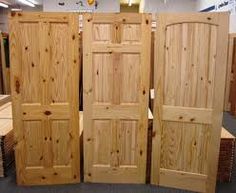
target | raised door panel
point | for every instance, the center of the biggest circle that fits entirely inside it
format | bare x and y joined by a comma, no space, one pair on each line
189,82
44,56
116,97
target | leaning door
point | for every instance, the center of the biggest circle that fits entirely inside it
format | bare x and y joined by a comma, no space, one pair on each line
190,68
116,82
44,79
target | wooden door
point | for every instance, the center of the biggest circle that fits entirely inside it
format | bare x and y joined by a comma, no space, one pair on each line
190,68
116,83
44,80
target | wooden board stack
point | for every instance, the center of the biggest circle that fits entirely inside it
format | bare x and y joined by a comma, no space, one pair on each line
6,135
226,157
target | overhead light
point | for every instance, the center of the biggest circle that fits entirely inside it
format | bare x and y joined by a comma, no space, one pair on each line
27,3
16,9
3,5
34,2
130,2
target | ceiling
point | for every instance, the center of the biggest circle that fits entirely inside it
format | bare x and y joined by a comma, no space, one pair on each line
16,2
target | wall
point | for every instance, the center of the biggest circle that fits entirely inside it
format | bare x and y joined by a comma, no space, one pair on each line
157,6
3,19
70,5
203,4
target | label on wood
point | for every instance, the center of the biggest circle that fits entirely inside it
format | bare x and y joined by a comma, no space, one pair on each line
116,89
190,68
44,80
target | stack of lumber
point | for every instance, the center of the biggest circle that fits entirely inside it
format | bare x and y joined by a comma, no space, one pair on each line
6,135
226,157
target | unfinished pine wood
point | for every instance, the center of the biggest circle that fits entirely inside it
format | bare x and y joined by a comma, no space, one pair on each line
116,85
44,82
229,75
190,69
232,79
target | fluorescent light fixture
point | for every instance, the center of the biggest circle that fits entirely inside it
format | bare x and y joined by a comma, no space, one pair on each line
16,9
34,2
130,2
27,3
3,5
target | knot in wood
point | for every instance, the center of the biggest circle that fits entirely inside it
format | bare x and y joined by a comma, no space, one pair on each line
47,113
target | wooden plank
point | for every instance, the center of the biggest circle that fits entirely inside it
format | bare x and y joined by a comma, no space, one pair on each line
226,156
6,146
126,18
186,114
189,95
229,71
120,48
116,112
183,180
226,135
116,86
232,94
44,79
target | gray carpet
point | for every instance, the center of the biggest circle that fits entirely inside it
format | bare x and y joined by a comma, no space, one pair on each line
8,184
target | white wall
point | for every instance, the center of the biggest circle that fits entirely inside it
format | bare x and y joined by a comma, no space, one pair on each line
229,5
157,6
232,25
70,5
203,4
108,6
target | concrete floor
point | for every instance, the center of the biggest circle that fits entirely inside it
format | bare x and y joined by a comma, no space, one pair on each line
8,184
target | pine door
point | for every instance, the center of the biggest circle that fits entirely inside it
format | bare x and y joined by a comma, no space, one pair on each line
44,82
190,68
116,86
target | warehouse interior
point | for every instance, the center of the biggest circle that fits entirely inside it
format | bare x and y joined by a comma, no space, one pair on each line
111,96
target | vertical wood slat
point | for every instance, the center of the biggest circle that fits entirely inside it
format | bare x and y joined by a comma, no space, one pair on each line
55,115
229,75
231,78
187,56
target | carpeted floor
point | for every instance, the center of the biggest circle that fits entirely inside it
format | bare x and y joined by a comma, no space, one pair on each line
8,184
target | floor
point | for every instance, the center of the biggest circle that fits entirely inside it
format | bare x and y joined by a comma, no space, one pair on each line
8,184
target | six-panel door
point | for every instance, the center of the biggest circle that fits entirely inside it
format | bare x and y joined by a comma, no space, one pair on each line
116,83
44,79
190,68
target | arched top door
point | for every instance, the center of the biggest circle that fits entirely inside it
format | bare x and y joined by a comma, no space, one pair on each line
190,68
